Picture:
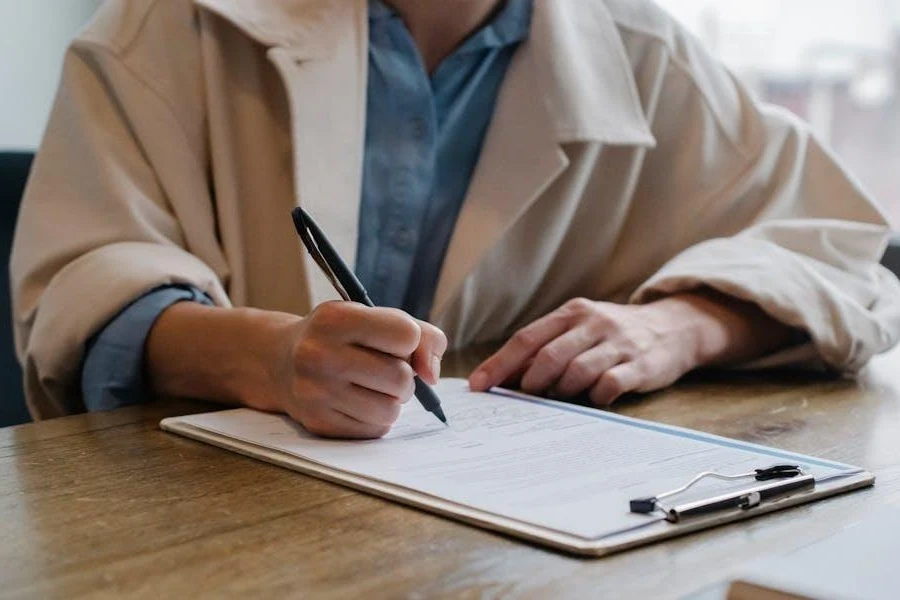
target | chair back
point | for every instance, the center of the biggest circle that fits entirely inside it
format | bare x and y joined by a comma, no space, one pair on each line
14,169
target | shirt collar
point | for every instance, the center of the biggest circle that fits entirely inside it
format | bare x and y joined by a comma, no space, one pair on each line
508,27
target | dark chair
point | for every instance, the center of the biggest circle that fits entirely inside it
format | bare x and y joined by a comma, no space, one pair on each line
14,168
892,256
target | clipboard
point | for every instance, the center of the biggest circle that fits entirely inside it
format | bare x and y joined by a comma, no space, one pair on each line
226,429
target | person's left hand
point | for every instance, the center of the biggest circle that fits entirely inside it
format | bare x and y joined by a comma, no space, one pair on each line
608,349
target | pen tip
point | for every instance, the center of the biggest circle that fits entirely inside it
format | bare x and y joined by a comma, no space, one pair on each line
440,415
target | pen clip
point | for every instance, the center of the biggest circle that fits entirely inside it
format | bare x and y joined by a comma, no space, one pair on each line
651,504
740,499
308,235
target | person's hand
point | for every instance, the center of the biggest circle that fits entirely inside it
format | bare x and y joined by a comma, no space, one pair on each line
606,350
342,371
346,369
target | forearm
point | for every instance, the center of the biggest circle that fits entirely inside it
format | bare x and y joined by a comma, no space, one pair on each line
223,355
724,330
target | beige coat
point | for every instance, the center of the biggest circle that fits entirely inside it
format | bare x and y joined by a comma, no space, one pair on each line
623,163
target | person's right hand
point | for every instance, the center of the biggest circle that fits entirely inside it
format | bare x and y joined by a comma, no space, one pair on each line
346,369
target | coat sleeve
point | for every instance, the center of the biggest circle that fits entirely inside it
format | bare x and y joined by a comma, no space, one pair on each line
767,215
117,204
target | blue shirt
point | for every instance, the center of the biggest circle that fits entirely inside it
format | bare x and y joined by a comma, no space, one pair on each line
423,138
424,135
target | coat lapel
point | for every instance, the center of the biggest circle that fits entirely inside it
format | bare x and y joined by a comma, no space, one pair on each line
320,50
520,158
571,82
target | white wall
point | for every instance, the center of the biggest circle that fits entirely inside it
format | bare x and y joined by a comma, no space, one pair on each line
33,37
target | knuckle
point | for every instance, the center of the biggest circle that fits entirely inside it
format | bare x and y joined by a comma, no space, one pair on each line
613,383
549,355
603,323
310,357
409,391
406,330
330,314
614,326
411,336
628,348
579,306
401,377
524,338
437,337
629,352
581,368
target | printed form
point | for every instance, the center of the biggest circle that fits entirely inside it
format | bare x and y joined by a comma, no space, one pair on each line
558,466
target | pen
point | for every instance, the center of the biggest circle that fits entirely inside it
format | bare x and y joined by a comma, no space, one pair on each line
743,499
349,287
785,480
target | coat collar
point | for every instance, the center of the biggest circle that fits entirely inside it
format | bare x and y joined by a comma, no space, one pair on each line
578,55
308,28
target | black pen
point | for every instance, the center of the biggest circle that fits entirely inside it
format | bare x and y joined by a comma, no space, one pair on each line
349,287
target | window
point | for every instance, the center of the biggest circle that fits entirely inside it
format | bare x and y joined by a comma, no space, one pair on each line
835,63
33,37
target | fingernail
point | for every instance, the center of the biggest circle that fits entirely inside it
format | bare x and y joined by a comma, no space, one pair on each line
478,380
436,367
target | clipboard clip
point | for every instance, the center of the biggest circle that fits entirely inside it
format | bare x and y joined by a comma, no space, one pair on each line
783,480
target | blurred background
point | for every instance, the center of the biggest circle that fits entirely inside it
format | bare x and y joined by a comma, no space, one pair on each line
836,63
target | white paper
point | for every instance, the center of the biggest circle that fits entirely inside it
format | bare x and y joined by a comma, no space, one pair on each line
565,468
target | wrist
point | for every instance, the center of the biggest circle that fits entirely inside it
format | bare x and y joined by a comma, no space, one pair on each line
719,329
225,355
261,357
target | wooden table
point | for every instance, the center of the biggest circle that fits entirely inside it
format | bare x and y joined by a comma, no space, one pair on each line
108,505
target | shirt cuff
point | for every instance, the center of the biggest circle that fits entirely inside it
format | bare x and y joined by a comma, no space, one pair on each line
113,372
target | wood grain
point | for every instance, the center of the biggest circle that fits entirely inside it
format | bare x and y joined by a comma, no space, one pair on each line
107,505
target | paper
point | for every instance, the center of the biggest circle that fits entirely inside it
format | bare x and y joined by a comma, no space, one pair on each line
560,467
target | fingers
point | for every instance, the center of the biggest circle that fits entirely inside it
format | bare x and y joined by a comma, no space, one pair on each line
585,370
344,411
387,330
353,366
621,379
368,407
515,380
604,348
426,359
555,358
522,346
375,371
334,424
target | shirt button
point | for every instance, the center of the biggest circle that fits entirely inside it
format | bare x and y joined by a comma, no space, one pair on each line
419,128
403,239
401,184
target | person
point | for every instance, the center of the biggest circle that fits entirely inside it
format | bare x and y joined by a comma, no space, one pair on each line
577,178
